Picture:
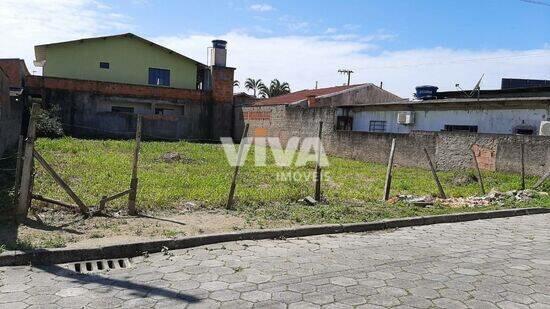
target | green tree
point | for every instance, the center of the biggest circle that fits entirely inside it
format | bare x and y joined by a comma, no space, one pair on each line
276,88
254,85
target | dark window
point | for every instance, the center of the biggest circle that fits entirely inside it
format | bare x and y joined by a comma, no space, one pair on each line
460,128
377,126
164,111
104,65
344,123
159,77
122,109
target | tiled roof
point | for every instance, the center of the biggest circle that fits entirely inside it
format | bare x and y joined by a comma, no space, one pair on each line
302,95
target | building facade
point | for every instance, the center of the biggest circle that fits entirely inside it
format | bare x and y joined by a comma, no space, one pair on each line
125,58
100,90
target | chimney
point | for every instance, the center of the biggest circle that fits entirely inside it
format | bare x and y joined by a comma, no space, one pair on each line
311,101
218,55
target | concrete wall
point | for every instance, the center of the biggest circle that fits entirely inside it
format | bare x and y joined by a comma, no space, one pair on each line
129,61
10,116
449,150
487,120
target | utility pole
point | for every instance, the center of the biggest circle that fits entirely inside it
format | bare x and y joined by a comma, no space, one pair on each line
347,72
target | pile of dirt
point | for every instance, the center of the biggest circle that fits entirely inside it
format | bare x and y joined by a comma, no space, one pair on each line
493,198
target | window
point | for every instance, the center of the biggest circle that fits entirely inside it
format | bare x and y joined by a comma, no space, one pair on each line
164,111
460,128
377,126
344,123
159,77
122,109
104,65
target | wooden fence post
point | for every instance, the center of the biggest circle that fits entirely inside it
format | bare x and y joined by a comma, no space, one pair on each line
387,184
542,179
522,146
479,178
434,174
134,182
25,194
318,167
18,166
236,172
61,183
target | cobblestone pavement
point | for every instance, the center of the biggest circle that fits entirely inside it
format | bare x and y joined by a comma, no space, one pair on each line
499,263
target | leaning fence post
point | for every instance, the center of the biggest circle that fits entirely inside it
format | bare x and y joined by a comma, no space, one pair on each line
479,179
434,173
18,166
522,165
134,182
25,194
235,174
387,184
318,167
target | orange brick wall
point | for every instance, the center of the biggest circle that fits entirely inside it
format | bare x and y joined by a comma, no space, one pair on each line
486,158
37,83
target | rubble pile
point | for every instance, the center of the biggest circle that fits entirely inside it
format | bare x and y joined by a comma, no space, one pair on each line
493,198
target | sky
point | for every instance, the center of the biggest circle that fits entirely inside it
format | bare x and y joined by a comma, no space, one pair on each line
402,43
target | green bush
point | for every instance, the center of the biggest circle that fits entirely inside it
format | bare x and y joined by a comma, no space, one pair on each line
49,123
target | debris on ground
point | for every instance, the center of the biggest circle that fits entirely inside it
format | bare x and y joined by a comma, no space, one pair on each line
308,200
492,198
171,157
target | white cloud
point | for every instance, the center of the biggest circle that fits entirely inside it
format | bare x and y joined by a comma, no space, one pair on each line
33,22
261,7
302,60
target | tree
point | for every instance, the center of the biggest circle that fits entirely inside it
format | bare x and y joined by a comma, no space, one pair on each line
276,88
236,83
253,84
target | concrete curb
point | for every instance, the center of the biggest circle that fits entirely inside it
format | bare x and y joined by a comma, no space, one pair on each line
59,256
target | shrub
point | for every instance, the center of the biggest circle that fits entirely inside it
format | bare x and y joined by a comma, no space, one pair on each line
49,123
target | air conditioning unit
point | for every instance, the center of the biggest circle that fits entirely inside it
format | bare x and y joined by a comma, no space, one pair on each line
405,117
544,128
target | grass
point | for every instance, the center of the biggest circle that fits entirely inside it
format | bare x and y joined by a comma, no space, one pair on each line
352,189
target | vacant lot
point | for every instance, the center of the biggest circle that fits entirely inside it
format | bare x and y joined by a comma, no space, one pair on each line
198,182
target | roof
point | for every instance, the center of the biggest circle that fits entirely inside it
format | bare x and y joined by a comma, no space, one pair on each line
15,70
497,93
544,100
40,50
301,95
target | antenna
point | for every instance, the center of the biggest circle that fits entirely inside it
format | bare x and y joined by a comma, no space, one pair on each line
474,91
347,72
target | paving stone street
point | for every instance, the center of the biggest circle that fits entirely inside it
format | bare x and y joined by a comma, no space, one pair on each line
498,263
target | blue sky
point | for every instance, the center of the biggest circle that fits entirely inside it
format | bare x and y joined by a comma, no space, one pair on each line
488,24
401,43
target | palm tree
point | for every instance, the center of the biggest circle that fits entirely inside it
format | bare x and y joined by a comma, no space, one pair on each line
236,83
276,88
253,84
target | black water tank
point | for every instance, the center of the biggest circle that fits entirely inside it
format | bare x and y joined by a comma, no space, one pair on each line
426,92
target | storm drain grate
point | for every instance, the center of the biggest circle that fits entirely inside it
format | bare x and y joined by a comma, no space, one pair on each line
99,265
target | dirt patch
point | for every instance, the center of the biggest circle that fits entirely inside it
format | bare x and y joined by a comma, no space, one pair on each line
57,228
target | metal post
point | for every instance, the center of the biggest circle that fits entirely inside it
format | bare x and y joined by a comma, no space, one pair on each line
318,167
25,194
236,172
134,182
